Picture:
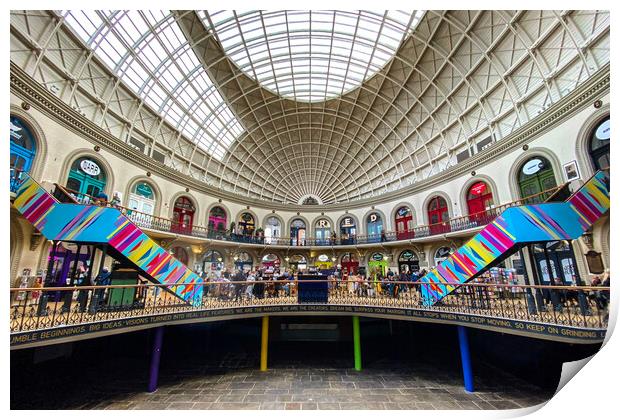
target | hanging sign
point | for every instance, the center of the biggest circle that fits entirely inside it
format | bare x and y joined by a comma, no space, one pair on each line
533,166
323,258
90,167
404,211
603,132
406,256
144,190
377,257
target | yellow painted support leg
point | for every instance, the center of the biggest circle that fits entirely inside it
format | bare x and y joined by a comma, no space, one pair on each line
264,344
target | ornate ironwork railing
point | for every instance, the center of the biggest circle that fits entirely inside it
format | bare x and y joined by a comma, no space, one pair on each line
34,309
456,224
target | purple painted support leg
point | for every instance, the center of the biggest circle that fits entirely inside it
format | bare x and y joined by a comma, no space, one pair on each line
155,356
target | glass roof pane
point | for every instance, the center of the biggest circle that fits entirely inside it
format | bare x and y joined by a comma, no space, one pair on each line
148,50
328,37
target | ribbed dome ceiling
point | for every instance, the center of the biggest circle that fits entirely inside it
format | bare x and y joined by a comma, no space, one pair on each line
182,85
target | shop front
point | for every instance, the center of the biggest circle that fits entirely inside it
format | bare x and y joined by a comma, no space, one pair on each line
374,227
270,261
217,222
246,225
438,216
181,254
442,254
183,216
347,231
23,150
377,264
408,262
324,263
535,176
298,263
323,232
404,223
86,176
298,232
350,264
212,262
243,261
273,230
479,200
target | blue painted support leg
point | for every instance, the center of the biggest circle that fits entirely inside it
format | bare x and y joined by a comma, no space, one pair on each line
155,356
468,374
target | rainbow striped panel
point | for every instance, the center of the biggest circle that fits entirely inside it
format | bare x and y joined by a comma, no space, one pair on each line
518,226
99,225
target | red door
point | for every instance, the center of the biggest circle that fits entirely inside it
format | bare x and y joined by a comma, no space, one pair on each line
404,224
438,217
183,216
479,199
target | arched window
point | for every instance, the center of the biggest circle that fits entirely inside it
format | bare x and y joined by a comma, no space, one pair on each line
438,216
442,254
599,145
246,224
87,176
243,261
298,232
180,254
322,232
212,261
142,198
298,262
479,200
273,230
408,262
183,215
404,223
217,221
535,176
347,231
23,150
374,227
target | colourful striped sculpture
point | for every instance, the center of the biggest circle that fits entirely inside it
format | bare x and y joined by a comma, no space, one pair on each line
515,227
100,225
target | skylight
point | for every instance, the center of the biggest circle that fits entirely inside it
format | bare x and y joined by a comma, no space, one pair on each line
311,56
148,51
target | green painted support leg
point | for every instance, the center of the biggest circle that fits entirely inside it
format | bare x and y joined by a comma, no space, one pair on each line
357,348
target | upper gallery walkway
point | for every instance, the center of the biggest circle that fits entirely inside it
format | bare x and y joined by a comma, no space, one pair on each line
457,226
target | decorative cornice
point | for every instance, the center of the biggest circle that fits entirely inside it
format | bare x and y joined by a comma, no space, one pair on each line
35,93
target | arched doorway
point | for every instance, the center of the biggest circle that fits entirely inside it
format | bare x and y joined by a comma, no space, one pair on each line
298,263
479,200
142,199
442,254
212,261
377,264
246,225
322,232
243,261
599,144
273,230
349,263
408,262
404,223
183,215
535,176
374,227
23,150
181,254
216,224
270,261
86,177
438,216
347,231
298,232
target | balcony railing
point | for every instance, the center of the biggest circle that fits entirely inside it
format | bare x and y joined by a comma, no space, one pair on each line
456,224
44,308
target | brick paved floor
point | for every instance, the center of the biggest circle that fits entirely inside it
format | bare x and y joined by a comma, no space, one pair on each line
234,382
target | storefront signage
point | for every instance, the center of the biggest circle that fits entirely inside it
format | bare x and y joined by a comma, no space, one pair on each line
323,258
144,190
404,211
377,257
408,256
347,222
533,166
90,167
603,131
479,188
323,223
373,218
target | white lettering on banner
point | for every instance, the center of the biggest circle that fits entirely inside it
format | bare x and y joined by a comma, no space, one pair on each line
90,167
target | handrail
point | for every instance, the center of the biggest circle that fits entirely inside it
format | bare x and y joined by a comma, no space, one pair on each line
456,224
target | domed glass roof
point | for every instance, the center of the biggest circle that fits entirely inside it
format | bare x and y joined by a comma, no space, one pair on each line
311,56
